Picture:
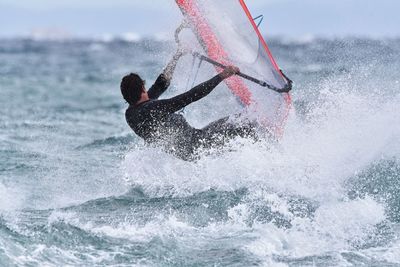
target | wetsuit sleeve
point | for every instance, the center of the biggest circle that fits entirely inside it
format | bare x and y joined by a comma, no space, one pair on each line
196,93
159,87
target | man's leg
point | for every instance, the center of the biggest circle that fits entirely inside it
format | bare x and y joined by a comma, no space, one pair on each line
220,131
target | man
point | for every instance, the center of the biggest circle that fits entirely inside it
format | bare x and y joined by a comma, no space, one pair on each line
158,122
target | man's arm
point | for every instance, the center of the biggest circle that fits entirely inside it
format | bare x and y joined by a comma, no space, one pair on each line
196,93
163,81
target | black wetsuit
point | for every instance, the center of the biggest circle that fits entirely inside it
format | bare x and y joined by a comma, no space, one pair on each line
156,121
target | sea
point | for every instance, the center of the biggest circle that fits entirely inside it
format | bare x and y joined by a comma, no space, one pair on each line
79,188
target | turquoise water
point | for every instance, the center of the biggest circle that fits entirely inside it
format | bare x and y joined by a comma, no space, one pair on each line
78,188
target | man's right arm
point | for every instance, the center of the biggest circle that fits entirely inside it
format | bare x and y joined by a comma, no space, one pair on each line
159,87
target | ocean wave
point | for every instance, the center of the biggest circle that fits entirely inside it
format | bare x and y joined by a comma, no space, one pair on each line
109,141
113,224
10,199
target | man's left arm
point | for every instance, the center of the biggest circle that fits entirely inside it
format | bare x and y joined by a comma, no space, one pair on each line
164,80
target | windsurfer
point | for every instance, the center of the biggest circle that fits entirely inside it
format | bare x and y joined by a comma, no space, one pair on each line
157,121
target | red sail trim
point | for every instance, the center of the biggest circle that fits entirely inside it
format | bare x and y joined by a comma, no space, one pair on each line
214,48
264,44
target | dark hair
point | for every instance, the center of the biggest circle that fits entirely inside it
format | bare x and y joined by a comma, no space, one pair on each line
131,88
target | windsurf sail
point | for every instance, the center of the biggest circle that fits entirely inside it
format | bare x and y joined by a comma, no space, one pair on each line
229,36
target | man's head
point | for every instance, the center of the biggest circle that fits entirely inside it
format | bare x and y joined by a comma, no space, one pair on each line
132,88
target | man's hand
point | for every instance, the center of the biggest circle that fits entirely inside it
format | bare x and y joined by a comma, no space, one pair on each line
229,71
181,51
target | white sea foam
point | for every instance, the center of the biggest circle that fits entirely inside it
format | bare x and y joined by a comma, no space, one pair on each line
313,159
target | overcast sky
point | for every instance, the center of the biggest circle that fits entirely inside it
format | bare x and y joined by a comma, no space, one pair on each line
292,18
